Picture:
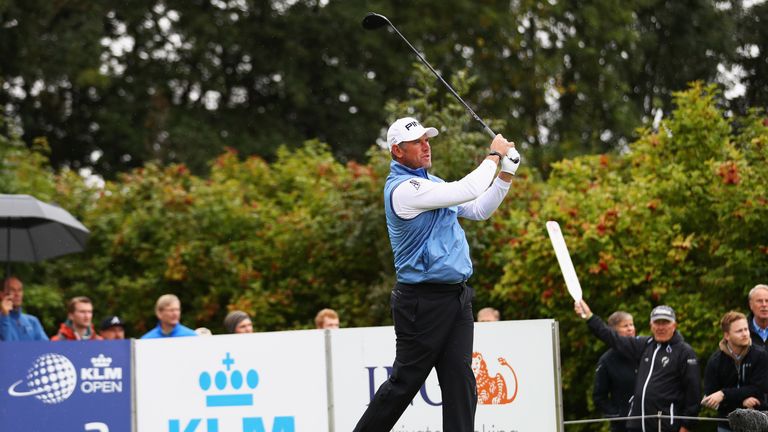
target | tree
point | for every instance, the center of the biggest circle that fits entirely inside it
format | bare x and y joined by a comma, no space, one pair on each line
113,85
750,56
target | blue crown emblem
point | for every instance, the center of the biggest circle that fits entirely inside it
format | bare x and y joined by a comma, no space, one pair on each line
236,379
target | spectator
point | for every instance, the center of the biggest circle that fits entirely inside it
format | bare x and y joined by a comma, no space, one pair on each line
168,311
79,323
15,325
203,331
758,317
737,373
615,375
488,314
112,328
238,322
667,379
327,319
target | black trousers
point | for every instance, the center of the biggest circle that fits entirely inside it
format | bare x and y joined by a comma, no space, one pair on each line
434,327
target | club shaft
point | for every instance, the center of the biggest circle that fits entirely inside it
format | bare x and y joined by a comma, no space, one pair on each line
488,130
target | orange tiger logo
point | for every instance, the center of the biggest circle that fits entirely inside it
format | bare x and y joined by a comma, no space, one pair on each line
492,390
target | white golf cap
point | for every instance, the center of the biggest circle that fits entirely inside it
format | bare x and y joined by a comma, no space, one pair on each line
407,129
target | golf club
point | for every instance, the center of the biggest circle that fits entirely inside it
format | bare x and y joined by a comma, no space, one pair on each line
373,21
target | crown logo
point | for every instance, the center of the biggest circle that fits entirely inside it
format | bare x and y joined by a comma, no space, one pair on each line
101,361
222,381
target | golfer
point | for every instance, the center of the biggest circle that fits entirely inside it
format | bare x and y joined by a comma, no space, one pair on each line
431,301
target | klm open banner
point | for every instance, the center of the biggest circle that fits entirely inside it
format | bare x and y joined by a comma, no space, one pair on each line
261,382
65,386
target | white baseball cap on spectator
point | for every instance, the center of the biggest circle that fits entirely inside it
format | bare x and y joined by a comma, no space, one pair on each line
663,312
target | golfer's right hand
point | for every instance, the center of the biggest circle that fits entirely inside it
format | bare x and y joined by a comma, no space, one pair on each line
501,145
582,309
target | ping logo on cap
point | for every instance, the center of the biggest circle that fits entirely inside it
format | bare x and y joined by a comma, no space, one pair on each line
407,129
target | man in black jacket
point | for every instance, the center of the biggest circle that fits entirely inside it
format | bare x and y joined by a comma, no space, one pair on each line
737,373
615,375
667,374
758,317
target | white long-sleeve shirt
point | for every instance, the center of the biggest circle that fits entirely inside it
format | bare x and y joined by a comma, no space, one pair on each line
475,199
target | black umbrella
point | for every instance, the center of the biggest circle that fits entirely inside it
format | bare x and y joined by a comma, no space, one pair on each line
32,230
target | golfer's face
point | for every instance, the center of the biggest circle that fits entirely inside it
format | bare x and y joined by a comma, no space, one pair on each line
663,330
758,304
416,153
170,315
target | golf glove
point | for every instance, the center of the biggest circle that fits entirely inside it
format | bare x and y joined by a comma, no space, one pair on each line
506,162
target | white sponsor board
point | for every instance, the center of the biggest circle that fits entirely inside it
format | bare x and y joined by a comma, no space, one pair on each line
515,363
263,382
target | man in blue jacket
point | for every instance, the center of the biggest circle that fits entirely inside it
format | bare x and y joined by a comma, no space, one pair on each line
15,325
668,376
431,301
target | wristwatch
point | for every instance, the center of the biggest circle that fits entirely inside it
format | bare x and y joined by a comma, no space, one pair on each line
495,153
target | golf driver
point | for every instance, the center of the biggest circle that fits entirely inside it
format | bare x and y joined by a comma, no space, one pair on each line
373,21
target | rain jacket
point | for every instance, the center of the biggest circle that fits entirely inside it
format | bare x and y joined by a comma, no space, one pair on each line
67,332
178,331
614,384
737,378
668,377
18,326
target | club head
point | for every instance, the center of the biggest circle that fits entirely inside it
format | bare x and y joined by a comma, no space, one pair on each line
373,21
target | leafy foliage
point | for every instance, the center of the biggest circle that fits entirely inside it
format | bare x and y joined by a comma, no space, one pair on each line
114,85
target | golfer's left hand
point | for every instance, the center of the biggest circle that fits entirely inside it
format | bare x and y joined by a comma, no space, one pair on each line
507,162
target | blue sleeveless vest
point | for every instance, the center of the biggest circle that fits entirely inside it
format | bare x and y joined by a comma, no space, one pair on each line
430,248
